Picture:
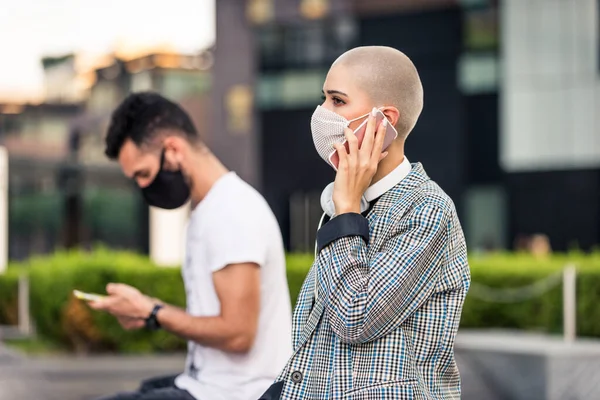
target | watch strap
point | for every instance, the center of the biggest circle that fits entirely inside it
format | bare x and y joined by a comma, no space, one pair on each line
152,322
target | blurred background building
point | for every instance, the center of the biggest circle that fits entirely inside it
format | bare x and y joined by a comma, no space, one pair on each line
510,126
63,192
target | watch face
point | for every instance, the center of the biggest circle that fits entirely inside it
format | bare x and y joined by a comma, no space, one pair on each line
152,323
149,323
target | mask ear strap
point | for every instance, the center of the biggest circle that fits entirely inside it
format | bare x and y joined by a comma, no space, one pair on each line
162,159
380,109
361,117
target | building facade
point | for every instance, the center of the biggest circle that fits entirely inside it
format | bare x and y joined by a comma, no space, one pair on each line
63,192
489,132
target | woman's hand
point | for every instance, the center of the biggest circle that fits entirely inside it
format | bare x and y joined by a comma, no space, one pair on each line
357,166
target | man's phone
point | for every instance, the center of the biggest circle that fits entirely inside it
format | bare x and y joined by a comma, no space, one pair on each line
87,296
390,135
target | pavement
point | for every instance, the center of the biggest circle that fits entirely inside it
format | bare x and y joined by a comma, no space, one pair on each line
77,378
87,378
493,366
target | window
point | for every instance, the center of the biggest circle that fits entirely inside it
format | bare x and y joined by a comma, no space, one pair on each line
291,89
478,68
478,73
270,41
481,28
307,44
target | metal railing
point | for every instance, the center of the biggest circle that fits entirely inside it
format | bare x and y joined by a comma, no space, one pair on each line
567,276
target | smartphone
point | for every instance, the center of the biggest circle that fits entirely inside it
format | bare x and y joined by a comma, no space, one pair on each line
87,296
390,135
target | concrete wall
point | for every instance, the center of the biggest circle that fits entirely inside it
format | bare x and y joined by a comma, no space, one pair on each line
497,365
233,134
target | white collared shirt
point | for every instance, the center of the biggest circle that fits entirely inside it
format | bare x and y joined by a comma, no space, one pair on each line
389,181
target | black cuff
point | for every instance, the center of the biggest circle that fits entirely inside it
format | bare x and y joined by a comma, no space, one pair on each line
273,392
350,224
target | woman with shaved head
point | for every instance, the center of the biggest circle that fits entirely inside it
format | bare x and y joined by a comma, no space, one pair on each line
379,310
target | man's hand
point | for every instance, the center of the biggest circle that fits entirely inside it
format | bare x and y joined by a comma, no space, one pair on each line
126,303
130,324
357,166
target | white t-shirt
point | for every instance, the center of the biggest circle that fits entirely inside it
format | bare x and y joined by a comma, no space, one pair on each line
234,224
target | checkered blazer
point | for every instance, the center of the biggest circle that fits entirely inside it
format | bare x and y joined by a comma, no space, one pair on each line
388,305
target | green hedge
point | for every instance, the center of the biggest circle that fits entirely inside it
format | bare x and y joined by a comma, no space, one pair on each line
68,322
62,319
542,313
8,297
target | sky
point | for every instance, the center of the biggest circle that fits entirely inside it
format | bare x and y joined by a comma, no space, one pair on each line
31,29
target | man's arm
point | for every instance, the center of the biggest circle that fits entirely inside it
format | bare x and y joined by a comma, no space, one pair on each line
233,330
368,298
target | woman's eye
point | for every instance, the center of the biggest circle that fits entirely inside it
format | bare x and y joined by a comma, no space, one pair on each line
337,102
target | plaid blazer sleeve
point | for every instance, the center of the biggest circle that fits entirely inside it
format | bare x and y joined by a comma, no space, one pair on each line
370,296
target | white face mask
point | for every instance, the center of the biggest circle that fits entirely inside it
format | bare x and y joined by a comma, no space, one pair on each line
327,129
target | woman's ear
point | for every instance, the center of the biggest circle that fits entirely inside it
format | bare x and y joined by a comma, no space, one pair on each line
392,114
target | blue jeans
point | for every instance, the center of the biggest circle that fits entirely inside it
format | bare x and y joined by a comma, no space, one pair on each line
161,388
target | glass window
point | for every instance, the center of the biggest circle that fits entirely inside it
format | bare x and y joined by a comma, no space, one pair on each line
112,210
341,36
306,44
177,84
478,73
111,216
35,209
268,90
291,89
486,218
270,40
481,28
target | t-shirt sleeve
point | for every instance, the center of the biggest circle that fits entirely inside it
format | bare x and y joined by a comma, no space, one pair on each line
235,237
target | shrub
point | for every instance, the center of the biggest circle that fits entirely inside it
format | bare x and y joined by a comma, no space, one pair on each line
297,268
9,284
62,319
540,313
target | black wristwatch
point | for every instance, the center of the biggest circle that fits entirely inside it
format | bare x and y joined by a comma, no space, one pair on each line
152,323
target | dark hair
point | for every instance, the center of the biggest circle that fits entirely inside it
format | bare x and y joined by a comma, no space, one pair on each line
139,118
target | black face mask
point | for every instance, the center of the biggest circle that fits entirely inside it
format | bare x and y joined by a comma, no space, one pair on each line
168,190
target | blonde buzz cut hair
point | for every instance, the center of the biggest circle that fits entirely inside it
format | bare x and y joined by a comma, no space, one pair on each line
390,78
